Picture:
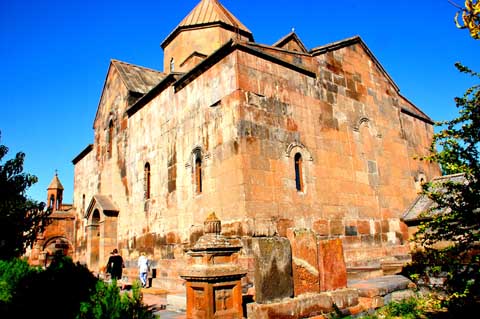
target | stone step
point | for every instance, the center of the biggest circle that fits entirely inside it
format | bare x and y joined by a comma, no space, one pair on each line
380,286
377,292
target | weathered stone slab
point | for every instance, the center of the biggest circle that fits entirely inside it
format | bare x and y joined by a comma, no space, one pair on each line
273,269
305,255
306,305
380,286
331,265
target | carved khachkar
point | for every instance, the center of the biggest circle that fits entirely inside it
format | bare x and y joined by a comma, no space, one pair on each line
213,275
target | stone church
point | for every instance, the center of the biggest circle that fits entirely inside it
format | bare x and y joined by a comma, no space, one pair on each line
269,137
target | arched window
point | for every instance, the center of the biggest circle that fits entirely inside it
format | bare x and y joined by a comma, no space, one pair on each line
110,138
172,65
147,180
52,201
298,172
198,172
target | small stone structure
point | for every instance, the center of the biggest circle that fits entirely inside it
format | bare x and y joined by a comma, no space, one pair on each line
59,234
213,275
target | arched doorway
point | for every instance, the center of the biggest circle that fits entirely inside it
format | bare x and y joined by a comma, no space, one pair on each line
101,231
56,246
94,239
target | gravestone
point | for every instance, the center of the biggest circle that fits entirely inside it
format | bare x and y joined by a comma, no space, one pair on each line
306,274
273,269
318,264
331,264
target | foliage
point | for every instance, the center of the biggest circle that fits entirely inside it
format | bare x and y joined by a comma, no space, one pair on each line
21,219
450,234
55,292
11,273
419,307
470,18
65,290
108,303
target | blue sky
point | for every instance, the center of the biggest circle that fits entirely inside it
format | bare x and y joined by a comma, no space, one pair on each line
55,55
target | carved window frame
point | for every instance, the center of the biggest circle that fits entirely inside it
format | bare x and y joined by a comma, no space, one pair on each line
297,150
147,181
197,161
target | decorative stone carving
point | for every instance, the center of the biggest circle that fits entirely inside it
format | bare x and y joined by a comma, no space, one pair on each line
213,275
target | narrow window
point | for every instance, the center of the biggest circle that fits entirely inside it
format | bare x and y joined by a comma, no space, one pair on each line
198,173
172,65
83,203
110,138
147,181
298,172
52,201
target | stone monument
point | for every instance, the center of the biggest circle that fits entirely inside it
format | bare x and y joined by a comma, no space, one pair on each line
213,275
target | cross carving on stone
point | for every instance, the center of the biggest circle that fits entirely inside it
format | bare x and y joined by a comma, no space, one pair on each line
223,295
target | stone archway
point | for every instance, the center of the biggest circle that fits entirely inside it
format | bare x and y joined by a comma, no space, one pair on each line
93,240
101,231
56,246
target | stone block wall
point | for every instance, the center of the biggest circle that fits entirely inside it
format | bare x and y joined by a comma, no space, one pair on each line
248,116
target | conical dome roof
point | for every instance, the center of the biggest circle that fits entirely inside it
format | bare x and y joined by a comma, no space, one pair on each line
209,12
55,183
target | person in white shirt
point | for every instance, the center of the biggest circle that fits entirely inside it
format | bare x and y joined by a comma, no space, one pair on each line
143,269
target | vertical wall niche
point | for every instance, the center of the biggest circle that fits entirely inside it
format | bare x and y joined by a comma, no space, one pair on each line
172,171
198,173
110,139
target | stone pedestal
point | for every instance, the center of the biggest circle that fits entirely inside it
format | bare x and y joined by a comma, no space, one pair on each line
213,275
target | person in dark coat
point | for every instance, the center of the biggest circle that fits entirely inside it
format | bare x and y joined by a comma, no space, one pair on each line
115,265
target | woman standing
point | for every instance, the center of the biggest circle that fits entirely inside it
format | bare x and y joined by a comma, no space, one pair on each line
143,269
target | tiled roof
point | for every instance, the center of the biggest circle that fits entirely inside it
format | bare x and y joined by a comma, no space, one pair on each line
424,204
136,78
55,183
210,11
105,203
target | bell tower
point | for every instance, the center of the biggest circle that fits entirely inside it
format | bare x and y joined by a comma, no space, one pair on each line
55,194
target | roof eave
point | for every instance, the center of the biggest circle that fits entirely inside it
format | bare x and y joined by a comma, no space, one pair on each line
229,27
348,42
228,48
82,154
285,39
166,82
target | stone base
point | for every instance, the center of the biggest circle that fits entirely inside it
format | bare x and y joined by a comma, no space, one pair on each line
377,292
177,302
307,305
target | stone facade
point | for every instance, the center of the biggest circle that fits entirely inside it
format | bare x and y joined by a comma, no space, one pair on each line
59,234
268,137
